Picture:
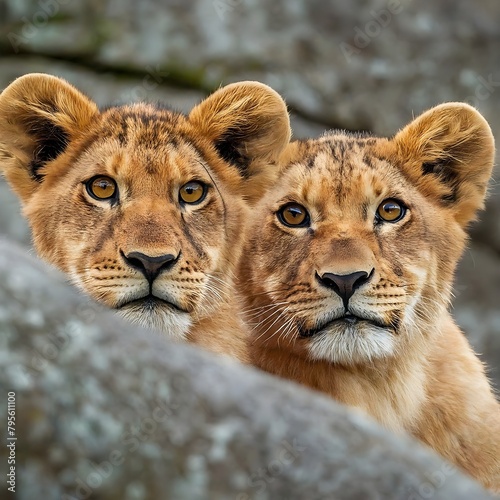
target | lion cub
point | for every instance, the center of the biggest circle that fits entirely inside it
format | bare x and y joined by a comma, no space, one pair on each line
349,284
140,206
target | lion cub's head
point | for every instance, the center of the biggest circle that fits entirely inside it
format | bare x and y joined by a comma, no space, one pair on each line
354,249
142,207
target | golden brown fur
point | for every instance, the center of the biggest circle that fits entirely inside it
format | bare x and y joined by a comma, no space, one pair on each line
53,140
392,348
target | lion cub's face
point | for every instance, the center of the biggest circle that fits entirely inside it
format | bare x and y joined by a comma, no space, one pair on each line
142,207
353,251
140,221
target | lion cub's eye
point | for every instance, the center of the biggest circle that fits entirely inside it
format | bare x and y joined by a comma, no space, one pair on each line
293,215
193,192
101,187
390,211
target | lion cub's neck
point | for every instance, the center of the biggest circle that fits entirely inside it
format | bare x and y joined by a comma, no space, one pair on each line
223,331
392,390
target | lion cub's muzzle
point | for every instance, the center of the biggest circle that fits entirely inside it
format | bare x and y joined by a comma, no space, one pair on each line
150,267
346,316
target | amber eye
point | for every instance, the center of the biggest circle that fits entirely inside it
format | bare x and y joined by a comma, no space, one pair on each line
390,211
102,188
293,215
193,192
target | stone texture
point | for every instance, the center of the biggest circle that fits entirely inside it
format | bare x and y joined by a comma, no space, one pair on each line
107,411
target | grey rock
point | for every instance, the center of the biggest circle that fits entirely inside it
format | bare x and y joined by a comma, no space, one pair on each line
105,410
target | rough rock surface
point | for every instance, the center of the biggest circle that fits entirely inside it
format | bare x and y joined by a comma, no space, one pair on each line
108,411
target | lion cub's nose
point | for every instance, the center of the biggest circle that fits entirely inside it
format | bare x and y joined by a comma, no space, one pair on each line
344,285
151,267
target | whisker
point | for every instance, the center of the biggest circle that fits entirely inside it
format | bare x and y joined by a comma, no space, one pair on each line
280,315
256,311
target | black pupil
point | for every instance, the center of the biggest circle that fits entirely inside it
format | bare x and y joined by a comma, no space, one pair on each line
391,207
104,185
295,212
190,189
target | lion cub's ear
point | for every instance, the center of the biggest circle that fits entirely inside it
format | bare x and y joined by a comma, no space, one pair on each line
448,152
39,116
249,125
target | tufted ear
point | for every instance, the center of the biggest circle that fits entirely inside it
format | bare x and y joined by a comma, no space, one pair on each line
39,116
248,123
448,152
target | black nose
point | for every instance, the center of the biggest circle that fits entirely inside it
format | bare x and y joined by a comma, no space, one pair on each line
344,285
151,267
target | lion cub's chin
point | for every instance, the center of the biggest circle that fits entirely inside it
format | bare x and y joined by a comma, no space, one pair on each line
351,344
158,317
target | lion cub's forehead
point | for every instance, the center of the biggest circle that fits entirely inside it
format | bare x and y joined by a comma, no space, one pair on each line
141,142
145,122
341,167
